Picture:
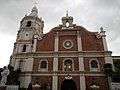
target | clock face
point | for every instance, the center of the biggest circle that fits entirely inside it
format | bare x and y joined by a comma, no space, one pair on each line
67,44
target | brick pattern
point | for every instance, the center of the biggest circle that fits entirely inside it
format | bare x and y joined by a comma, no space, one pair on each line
102,82
41,80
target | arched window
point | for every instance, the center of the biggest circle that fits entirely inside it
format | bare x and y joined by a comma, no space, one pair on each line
24,48
67,24
43,64
68,65
21,64
94,65
28,24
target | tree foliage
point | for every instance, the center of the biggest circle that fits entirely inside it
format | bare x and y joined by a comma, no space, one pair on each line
115,75
12,78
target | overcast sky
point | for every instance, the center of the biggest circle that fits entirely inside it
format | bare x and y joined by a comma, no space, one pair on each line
91,14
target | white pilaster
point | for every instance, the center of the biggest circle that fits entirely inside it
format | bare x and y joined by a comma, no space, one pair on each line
25,80
29,64
55,60
81,64
16,64
79,43
104,43
82,83
109,60
56,44
55,83
55,64
35,43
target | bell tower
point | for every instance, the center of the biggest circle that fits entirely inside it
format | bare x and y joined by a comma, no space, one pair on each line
30,31
31,28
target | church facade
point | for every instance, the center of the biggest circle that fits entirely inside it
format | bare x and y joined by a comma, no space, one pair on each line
68,56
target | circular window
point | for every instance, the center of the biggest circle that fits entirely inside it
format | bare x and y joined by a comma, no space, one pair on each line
67,44
26,34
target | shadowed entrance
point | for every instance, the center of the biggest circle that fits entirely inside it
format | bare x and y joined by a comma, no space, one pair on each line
68,85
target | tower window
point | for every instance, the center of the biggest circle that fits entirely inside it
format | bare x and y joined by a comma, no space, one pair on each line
21,64
24,48
28,24
68,65
43,64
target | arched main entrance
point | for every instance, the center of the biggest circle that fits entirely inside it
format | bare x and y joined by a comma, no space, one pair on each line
68,85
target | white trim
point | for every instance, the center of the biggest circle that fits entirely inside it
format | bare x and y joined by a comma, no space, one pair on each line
55,64
65,74
56,44
104,43
34,45
79,43
16,64
82,83
25,79
81,64
29,64
55,82
109,60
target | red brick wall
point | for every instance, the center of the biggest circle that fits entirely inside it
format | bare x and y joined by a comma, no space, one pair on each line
68,37
37,63
90,42
41,80
47,43
99,81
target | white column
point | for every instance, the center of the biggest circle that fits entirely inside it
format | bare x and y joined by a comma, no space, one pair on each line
104,43
56,44
17,47
55,82
29,64
25,81
34,45
82,83
108,59
55,60
16,64
55,65
81,64
79,43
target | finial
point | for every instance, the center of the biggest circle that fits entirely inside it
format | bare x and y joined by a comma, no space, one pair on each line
101,28
67,13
